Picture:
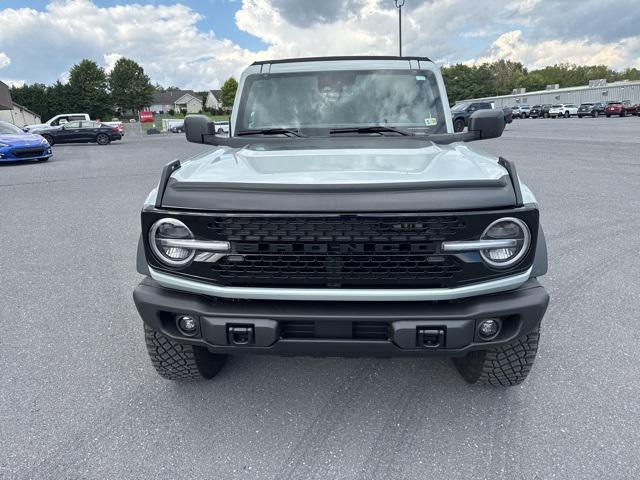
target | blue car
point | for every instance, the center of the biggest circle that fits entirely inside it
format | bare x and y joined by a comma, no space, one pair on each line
16,145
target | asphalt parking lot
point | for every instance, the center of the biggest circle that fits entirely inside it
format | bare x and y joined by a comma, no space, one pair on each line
79,398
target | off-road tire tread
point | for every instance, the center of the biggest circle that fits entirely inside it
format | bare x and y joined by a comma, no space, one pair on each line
505,366
175,361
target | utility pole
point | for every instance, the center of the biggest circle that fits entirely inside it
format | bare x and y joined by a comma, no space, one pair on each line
399,5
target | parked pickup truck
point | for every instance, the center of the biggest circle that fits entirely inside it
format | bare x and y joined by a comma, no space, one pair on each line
342,216
58,120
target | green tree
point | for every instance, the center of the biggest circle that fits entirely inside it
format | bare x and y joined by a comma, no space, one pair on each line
46,101
228,92
88,89
130,88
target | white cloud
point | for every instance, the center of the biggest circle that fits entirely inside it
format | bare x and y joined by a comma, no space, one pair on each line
513,46
164,39
110,60
12,82
5,61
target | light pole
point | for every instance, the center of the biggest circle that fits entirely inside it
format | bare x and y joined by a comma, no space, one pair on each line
399,5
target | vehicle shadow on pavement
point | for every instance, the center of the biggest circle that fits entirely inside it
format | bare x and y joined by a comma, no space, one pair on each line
311,408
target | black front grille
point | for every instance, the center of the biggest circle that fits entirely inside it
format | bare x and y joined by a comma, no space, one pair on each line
336,270
341,330
339,228
342,250
27,152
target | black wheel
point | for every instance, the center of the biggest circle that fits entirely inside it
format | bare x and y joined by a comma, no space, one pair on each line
580,116
220,131
48,138
567,114
103,139
608,116
546,115
175,361
501,366
458,125
594,114
623,114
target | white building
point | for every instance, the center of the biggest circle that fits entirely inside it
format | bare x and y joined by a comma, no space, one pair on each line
19,116
214,100
596,91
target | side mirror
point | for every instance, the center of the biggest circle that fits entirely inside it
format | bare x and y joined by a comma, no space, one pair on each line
487,123
195,126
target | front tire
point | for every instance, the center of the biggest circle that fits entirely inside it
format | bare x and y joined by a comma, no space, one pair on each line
458,125
176,361
103,139
504,366
49,139
567,114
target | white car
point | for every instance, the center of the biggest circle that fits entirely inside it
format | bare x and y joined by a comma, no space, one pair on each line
59,120
524,110
563,110
222,127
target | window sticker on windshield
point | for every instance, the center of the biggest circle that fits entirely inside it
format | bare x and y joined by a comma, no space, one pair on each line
430,121
420,78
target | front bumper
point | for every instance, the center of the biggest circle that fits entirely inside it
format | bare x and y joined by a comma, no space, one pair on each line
316,328
7,155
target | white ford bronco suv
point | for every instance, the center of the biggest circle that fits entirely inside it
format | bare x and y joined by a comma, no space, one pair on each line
342,216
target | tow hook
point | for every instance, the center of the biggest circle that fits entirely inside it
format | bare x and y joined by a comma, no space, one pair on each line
240,335
430,338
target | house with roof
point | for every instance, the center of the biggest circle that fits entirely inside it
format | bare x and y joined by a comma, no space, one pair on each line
12,112
214,100
185,101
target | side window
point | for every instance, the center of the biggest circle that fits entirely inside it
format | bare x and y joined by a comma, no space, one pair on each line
485,106
473,107
86,124
70,125
76,117
59,121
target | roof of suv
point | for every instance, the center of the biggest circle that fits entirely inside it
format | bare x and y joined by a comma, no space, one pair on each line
333,59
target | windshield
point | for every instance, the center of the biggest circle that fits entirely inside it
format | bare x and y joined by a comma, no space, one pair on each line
459,107
328,100
9,129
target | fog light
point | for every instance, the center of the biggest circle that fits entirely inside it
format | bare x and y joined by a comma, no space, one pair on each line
488,329
187,324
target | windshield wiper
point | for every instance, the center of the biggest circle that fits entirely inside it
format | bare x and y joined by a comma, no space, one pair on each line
271,131
372,129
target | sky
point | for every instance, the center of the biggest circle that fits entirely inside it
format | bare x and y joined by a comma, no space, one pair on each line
197,44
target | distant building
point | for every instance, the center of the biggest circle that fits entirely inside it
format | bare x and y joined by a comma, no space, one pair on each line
596,91
19,116
5,97
12,112
186,101
214,100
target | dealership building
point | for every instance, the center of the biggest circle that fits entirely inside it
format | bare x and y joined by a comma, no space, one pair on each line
596,91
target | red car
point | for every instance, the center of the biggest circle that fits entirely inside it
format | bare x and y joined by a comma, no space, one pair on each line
620,108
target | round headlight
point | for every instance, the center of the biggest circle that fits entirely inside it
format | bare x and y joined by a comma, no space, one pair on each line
160,236
506,229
